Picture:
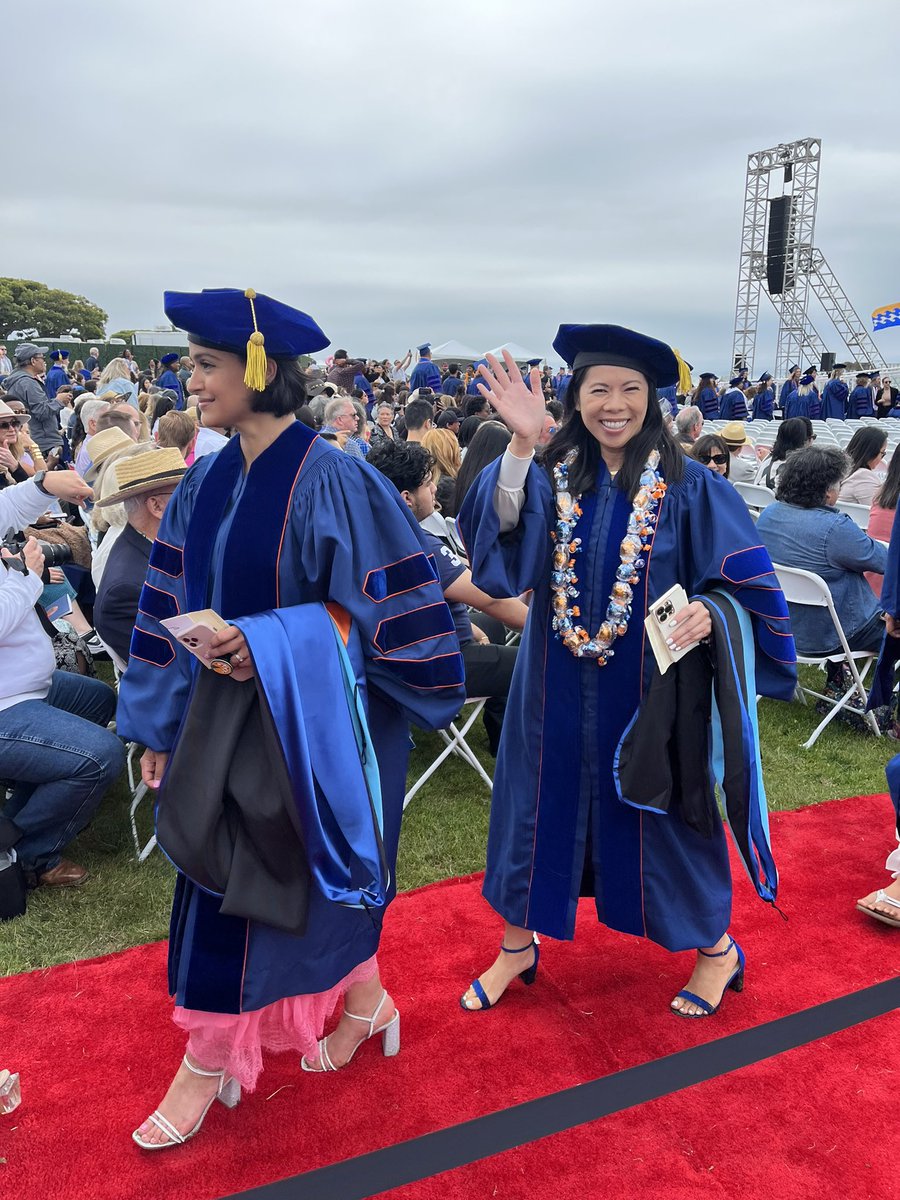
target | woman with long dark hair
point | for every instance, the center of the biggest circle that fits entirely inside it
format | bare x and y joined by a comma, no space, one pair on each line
866,451
882,513
489,441
793,434
588,799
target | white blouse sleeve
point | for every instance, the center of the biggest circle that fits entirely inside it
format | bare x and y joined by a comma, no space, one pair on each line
509,495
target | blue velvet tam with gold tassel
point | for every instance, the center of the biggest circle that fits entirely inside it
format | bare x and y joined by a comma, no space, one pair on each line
244,322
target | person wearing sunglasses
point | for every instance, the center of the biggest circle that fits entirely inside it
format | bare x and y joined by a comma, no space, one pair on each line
711,450
11,470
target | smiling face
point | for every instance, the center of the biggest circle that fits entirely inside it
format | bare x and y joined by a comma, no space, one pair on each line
217,381
613,404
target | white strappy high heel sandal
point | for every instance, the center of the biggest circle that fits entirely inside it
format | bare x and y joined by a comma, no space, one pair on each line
229,1093
390,1040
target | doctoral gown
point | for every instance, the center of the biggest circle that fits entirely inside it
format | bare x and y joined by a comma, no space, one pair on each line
764,405
559,827
834,400
708,403
860,403
425,374
168,379
305,524
734,406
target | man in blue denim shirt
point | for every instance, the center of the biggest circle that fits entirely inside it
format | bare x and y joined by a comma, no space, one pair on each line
803,529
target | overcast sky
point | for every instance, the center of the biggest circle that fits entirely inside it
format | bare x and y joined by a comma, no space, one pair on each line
479,169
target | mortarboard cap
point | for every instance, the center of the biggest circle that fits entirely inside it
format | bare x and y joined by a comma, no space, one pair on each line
794,368
424,348
709,375
736,382
805,380
533,362
863,375
243,322
168,359
765,377
615,346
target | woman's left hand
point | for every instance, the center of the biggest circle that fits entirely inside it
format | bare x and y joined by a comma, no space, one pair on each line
231,643
692,625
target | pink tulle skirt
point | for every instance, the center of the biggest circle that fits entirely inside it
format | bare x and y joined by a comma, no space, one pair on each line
235,1041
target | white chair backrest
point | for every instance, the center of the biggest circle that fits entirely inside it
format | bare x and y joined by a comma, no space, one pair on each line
804,587
755,495
859,512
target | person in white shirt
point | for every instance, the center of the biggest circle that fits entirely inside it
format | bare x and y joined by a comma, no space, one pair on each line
5,363
55,748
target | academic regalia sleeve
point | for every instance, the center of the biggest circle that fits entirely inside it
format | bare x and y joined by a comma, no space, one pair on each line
153,692
360,546
724,550
510,563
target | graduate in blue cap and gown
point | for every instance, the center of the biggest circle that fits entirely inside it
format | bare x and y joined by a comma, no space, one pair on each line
281,778
764,400
425,373
57,375
707,398
790,385
530,365
587,798
169,379
834,396
801,400
733,406
860,402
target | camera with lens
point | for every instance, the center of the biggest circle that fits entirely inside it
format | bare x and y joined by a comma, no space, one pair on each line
54,555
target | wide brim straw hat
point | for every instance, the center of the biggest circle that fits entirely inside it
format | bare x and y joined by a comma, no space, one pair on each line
144,473
102,444
735,434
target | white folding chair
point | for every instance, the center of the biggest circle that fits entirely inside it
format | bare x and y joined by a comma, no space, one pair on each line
454,738
859,512
807,588
755,496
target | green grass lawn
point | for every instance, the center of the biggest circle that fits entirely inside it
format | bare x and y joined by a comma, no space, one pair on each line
444,833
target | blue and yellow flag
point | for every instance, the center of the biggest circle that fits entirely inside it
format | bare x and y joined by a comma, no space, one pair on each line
884,318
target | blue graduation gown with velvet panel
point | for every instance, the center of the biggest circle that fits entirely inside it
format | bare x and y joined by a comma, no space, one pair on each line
708,403
861,403
670,394
305,524
834,400
787,387
764,405
555,809
425,374
796,405
168,379
54,380
734,406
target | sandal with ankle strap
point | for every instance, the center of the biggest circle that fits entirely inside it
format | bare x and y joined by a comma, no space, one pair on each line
735,982
228,1093
527,976
881,897
390,1040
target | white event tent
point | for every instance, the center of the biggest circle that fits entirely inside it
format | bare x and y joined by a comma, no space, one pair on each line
454,351
519,353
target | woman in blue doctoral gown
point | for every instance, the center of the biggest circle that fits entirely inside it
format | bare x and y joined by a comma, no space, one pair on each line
267,531
559,826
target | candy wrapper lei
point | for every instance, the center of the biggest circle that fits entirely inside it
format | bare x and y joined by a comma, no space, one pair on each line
638,539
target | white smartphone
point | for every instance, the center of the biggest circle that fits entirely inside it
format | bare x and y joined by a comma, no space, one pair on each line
659,624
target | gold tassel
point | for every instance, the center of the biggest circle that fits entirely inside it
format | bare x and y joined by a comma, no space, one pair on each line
257,364
685,383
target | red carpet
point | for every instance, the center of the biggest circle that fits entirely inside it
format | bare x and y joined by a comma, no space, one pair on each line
96,1049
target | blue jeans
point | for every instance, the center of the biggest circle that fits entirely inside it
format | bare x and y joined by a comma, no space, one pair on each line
60,758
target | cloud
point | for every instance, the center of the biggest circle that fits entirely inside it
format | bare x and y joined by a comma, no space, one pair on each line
407,171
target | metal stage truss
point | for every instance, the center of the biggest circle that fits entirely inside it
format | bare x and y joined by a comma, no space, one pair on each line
788,272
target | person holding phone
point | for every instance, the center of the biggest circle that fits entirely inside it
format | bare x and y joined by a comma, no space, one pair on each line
610,519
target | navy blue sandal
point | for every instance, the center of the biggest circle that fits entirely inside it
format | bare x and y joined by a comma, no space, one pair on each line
736,983
527,976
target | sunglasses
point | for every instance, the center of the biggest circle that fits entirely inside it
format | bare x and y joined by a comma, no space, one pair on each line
719,459
6,425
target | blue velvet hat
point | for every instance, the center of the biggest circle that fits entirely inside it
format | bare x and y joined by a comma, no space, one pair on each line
806,380
736,382
614,346
243,322
534,362
168,359
58,355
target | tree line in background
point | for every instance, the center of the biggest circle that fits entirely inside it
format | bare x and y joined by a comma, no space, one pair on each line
35,310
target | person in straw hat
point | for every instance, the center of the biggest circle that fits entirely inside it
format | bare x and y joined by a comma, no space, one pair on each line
145,485
742,468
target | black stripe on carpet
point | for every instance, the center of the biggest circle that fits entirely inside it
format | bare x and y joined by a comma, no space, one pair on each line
419,1158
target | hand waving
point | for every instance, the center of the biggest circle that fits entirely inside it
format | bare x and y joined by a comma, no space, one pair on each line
522,410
